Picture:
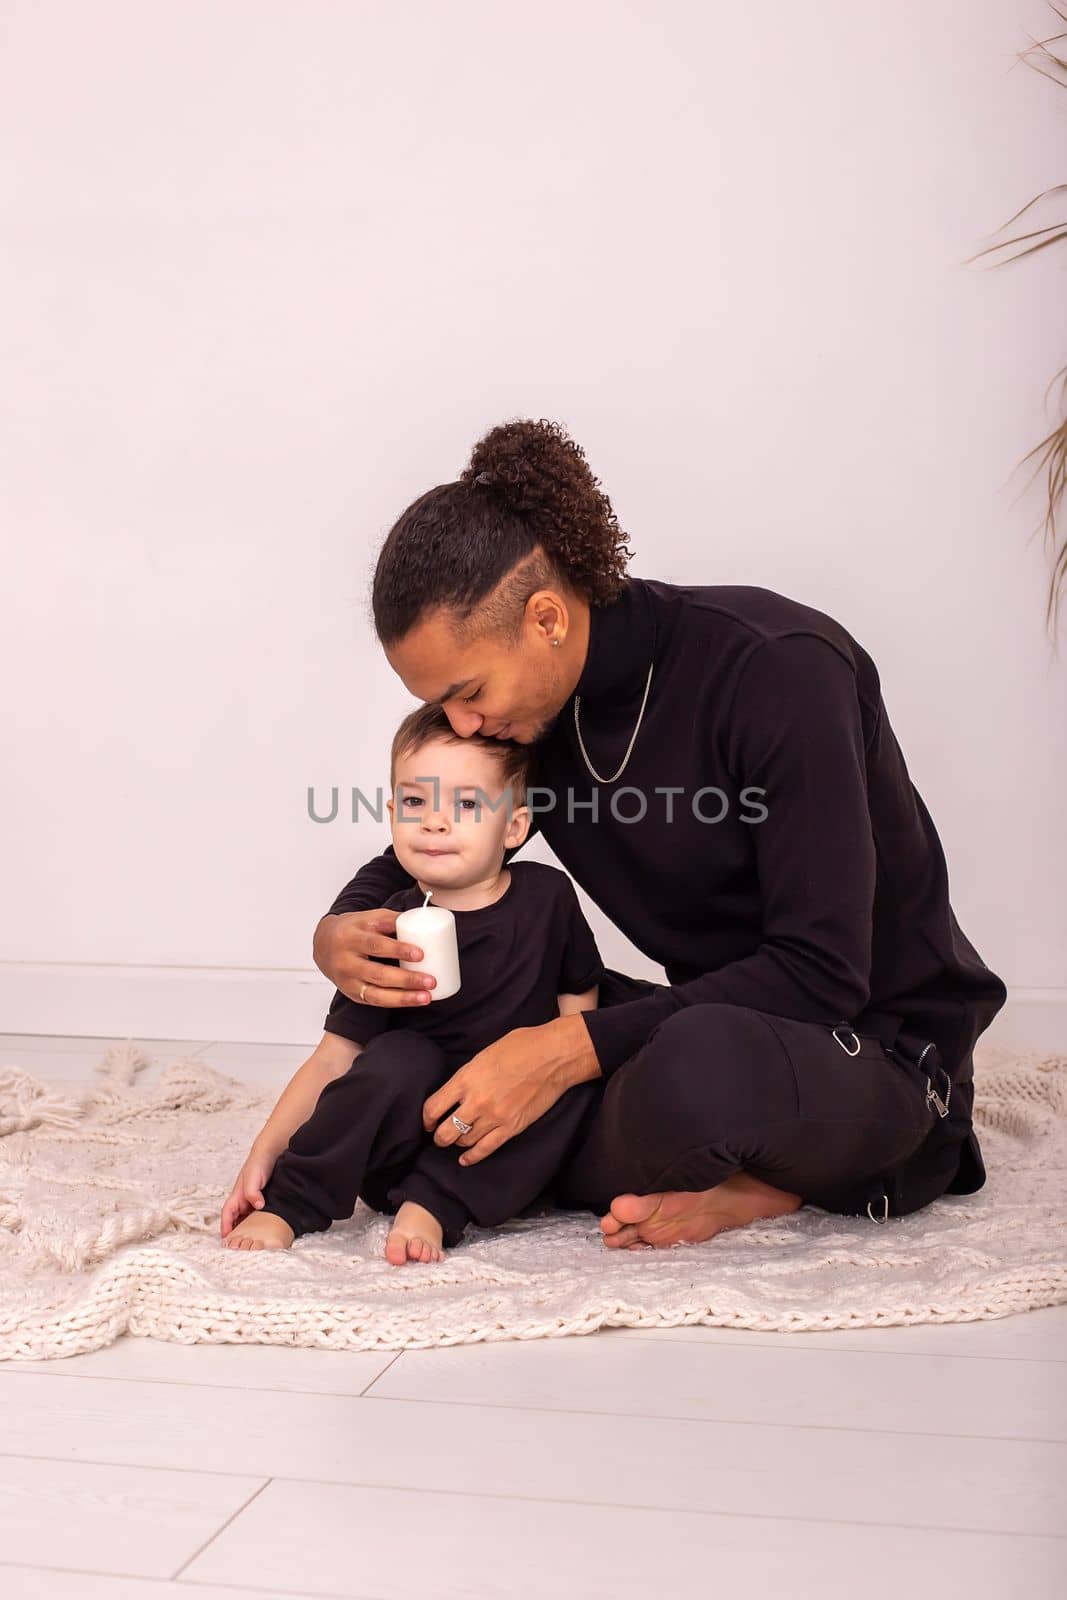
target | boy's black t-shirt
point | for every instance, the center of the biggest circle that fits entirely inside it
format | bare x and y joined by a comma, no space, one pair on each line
515,957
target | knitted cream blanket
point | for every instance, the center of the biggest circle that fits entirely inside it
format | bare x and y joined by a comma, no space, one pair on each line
109,1224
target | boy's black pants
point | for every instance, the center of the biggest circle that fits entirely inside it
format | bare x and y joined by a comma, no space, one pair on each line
716,1089
366,1138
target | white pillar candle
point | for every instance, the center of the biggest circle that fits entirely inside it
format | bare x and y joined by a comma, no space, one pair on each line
433,930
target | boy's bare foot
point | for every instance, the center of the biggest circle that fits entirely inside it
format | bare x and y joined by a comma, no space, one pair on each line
416,1235
260,1230
638,1221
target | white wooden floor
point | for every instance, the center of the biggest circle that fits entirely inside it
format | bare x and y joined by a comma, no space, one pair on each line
911,1462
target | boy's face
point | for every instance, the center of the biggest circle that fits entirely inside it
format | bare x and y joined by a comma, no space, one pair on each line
453,831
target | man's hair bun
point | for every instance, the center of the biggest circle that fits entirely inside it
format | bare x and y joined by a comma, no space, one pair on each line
526,488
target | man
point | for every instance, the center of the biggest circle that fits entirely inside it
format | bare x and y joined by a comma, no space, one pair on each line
814,1041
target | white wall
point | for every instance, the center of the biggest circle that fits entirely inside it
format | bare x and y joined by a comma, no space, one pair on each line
272,268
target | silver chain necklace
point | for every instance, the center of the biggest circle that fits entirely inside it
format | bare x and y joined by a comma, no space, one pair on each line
633,736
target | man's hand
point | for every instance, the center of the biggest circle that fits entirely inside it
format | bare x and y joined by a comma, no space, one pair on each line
344,947
511,1083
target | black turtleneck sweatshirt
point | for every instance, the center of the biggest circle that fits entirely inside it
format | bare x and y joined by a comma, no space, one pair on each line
792,867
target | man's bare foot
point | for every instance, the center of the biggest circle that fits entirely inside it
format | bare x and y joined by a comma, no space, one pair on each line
260,1230
416,1235
678,1217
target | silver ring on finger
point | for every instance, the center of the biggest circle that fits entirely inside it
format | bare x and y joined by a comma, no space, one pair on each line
464,1127
362,990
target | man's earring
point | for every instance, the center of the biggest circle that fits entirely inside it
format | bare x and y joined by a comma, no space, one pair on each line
557,641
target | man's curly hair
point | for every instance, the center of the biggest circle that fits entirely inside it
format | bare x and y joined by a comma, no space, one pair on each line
526,513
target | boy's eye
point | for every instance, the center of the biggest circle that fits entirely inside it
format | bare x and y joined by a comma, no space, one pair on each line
472,803
413,800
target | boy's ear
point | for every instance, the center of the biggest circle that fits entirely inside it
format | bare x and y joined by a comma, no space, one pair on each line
518,827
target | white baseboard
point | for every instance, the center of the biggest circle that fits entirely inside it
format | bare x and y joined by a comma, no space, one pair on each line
221,1004
1032,1019
286,1006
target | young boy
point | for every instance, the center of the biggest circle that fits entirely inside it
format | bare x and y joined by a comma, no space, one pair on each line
349,1123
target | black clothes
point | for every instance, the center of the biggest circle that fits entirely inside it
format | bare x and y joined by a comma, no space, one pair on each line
813,888
365,1138
836,1123
515,957
365,1135
805,1115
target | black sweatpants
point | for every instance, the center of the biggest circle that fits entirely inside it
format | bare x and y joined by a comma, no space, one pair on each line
715,1090
366,1138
